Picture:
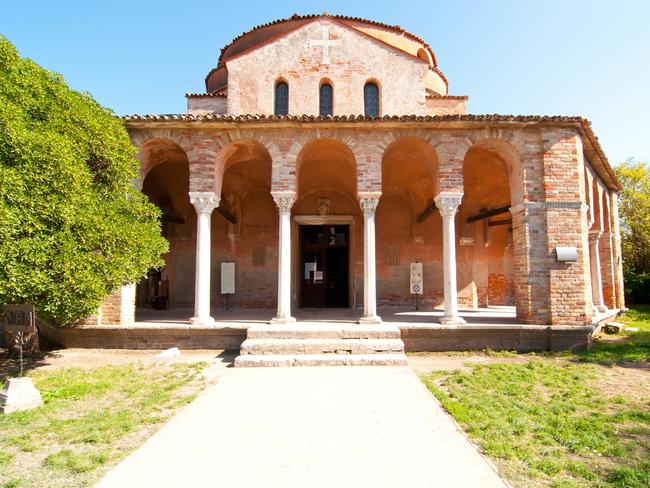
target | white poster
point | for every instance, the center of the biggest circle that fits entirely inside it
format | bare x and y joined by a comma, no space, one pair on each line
227,278
309,268
416,279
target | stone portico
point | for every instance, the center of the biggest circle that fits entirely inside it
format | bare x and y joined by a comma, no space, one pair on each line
319,208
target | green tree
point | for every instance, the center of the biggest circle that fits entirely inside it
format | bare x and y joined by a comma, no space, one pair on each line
634,210
72,226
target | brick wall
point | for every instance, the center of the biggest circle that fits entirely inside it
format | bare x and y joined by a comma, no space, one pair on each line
357,59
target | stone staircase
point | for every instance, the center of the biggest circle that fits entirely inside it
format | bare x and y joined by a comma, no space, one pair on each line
322,344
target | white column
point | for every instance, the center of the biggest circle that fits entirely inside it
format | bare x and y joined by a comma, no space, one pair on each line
596,279
204,203
369,202
284,201
447,203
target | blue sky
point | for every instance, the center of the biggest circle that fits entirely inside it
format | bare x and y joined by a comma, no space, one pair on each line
570,57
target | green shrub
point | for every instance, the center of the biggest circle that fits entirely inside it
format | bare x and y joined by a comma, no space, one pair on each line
72,226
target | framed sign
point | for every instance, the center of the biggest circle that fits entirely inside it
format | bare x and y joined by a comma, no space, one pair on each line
19,318
227,278
416,279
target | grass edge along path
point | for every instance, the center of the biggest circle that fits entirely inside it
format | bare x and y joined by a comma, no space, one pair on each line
545,422
91,419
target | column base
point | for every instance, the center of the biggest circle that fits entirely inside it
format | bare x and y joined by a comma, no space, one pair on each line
452,321
202,321
283,320
600,308
370,320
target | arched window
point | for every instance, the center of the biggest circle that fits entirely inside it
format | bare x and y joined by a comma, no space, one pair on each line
281,98
326,92
371,99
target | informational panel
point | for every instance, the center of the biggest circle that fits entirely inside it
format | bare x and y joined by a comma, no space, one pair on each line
416,279
227,278
19,318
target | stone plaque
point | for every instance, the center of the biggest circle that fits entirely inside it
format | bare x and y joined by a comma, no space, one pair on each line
19,318
392,254
227,278
416,279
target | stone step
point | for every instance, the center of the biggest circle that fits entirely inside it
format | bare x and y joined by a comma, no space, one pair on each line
280,360
323,331
321,346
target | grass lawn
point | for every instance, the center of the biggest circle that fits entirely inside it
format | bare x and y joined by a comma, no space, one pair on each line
579,420
91,419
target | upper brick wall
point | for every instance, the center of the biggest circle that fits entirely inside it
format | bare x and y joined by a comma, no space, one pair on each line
355,60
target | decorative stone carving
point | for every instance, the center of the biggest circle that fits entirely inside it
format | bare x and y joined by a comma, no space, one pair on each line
324,206
369,202
448,203
204,202
284,200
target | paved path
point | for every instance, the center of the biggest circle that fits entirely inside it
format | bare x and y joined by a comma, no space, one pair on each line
309,427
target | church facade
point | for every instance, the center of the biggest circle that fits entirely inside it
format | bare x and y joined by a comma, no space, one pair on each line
327,161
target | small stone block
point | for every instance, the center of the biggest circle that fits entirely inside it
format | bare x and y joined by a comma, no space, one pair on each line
19,394
613,327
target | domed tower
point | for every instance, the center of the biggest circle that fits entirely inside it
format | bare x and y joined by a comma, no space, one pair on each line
326,65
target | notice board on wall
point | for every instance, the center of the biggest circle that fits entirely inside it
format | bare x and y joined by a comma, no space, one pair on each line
417,287
227,278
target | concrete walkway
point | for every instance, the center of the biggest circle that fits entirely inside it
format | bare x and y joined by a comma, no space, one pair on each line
309,427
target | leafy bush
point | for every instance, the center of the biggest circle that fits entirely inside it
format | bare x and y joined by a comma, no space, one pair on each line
72,226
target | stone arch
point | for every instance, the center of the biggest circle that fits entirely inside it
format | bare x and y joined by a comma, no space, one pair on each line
415,153
504,145
235,151
155,151
329,166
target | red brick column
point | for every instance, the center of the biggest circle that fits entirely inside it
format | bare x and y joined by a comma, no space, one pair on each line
607,269
566,226
617,255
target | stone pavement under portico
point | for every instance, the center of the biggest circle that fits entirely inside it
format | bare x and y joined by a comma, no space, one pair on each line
309,427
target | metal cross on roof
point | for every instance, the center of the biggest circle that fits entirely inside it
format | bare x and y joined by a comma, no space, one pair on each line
325,42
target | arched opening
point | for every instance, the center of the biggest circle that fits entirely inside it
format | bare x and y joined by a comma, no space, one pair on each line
326,99
328,230
165,173
281,98
408,225
244,227
485,254
371,99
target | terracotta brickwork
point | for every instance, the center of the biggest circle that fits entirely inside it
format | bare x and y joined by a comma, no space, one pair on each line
541,172
355,60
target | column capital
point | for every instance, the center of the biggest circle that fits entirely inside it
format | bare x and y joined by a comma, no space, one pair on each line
448,202
204,201
284,199
595,235
369,201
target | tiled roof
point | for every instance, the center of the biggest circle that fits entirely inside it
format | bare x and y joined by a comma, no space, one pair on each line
583,124
206,95
447,97
396,28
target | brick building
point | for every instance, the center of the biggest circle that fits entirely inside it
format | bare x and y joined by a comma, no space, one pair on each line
326,156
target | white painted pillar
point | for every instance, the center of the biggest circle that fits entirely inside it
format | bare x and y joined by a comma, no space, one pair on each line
596,278
204,203
284,201
369,202
447,203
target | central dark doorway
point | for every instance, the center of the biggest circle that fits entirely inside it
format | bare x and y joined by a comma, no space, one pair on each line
324,265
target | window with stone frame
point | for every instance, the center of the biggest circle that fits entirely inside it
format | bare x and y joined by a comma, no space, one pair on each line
281,98
371,99
326,100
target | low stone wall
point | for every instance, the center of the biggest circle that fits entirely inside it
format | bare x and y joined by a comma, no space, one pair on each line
150,337
520,338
